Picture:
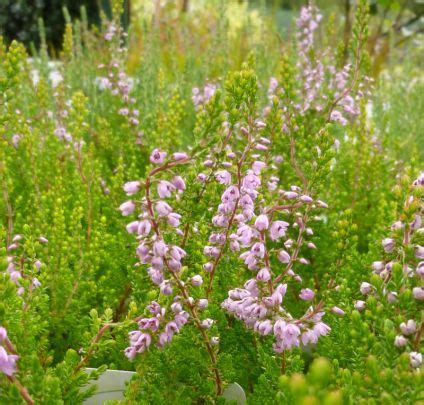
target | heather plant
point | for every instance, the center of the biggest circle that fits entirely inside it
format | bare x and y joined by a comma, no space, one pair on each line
205,217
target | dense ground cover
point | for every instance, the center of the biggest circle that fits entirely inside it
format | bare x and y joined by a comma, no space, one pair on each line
206,201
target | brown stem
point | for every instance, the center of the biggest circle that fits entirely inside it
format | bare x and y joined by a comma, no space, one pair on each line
22,389
121,306
91,349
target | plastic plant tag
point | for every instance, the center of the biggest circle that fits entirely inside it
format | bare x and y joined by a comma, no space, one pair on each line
234,392
110,385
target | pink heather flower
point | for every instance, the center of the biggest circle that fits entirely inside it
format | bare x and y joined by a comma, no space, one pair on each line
251,181
309,337
132,227
127,208
42,239
157,263
144,227
290,195
366,288
132,187
223,177
7,362
322,204
257,166
420,269
160,248
196,280
278,229
166,288
179,183
409,327
337,311
155,275
214,340
179,156
378,267
416,223
278,295
263,327
165,189
321,329
130,353
400,341
162,208
174,219
306,294
418,293
360,305
202,303
207,323
157,157
415,359
306,199
392,296
208,267
283,256
37,264
262,222
289,334
388,244
419,252
263,275
202,177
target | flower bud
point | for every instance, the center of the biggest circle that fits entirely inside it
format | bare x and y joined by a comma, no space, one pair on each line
400,341
196,280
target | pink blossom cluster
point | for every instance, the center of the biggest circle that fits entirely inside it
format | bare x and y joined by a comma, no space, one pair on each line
157,229
158,327
15,267
61,130
247,225
396,248
200,97
114,79
119,84
319,80
7,359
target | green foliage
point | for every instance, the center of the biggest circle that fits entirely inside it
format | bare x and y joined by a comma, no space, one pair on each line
69,191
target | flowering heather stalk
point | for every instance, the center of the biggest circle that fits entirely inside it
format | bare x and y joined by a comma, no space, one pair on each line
259,303
401,273
324,87
157,222
8,359
115,80
19,265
